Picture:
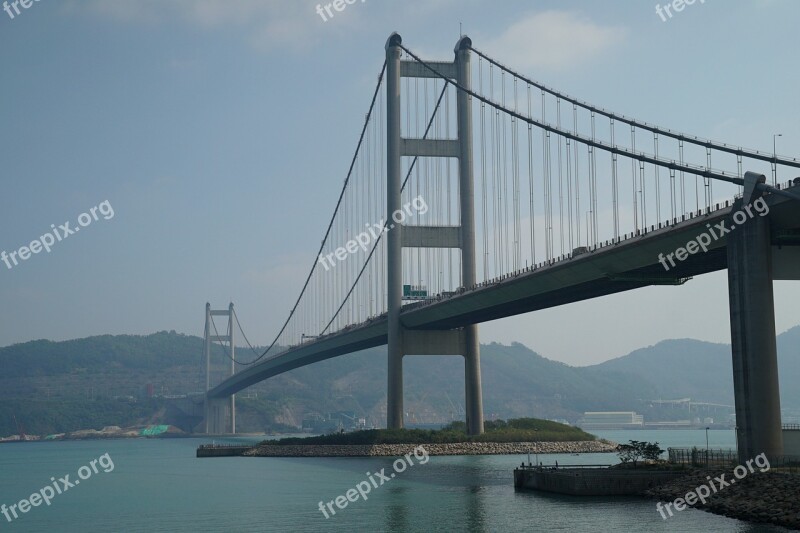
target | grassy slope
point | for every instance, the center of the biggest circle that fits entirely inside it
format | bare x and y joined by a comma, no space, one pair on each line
517,430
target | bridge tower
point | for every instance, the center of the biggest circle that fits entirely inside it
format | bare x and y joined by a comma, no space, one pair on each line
220,413
402,341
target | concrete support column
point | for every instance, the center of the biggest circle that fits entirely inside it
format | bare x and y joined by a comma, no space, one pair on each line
218,416
472,376
394,401
755,358
472,355
207,347
233,366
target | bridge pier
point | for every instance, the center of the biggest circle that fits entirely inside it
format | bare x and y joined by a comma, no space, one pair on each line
472,381
754,350
394,398
218,416
401,342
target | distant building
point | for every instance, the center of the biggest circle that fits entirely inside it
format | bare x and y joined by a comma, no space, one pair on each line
611,420
672,424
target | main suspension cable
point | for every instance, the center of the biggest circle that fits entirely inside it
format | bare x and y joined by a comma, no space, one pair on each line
330,224
640,156
388,217
753,154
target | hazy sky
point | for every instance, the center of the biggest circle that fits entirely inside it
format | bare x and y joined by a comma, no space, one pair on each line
220,132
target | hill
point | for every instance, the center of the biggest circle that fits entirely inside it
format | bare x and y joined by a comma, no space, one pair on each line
702,370
126,379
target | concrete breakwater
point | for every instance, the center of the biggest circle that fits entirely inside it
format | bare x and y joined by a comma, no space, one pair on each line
591,481
456,448
766,497
221,450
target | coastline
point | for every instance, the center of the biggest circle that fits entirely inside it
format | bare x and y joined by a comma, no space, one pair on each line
456,448
761,497
160,431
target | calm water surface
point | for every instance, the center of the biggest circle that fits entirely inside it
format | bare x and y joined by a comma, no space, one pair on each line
159,485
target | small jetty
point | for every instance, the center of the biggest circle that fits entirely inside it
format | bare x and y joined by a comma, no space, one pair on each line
222,450
590,480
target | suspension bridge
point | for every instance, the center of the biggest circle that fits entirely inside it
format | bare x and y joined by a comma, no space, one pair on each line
533,199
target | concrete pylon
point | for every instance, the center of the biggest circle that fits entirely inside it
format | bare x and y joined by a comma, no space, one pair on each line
394,242
752,315
401,341
220,414
472,353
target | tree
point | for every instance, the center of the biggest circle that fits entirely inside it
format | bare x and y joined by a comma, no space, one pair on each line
635,450
629,453
652,451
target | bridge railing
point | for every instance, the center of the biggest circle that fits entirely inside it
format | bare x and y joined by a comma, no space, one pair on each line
215,446
701,457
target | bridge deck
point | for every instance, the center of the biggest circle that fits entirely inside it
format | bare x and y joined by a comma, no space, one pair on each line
628,264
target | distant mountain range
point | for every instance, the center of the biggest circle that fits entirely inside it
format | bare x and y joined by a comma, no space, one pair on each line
88,383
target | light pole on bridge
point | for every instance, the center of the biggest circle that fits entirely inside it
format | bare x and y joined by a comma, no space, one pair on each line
775,158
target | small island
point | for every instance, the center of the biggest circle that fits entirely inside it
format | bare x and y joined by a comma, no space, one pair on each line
501,437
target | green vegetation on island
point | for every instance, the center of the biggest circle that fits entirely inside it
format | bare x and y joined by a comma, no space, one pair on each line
515,430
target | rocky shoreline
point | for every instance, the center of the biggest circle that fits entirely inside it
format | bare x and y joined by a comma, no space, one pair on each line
108,432
768,497
457,448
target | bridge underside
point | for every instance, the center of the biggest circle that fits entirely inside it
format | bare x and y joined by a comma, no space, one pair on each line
341,343
630,264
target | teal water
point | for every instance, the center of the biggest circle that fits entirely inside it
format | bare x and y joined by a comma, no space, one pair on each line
159,485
